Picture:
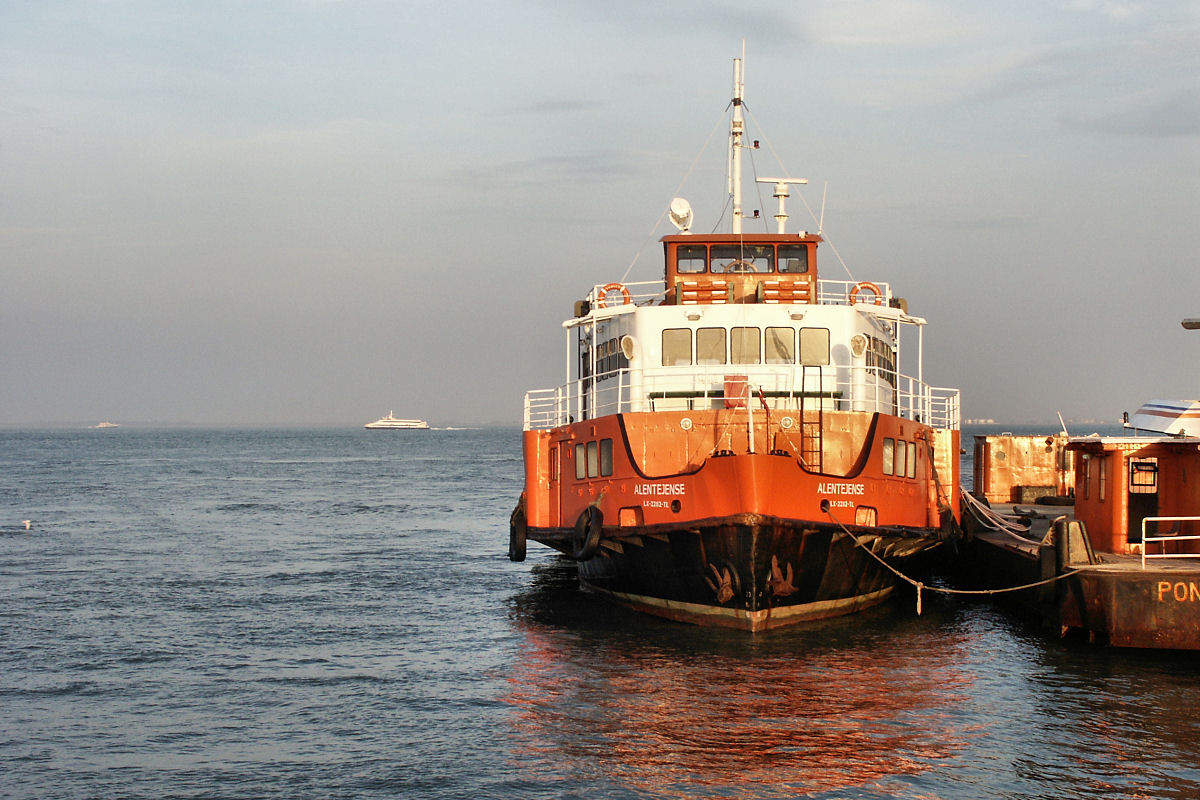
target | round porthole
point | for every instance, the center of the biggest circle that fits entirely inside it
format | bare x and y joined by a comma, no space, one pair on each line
685,424
786,423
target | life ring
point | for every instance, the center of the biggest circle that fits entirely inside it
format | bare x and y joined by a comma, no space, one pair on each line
602,300
858,287
518,530
587,534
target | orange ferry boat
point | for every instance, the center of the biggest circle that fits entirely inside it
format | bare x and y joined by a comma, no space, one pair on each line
738,445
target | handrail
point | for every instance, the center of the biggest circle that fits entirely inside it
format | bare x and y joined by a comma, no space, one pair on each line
1169,538
846,388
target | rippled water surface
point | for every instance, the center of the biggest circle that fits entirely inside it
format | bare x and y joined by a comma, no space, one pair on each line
331,614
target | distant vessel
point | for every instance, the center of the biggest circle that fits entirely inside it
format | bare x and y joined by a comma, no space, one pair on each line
107,425
391,423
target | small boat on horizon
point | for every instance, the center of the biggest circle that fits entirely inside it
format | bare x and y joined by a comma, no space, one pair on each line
392,423
107,425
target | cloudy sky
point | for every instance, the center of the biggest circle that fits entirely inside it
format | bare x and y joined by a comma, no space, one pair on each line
305,212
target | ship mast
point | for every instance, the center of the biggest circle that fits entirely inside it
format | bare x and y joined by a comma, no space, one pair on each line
737,128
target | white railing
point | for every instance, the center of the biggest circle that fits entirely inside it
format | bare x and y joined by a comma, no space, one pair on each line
830,292
1168,538
642,293
676,388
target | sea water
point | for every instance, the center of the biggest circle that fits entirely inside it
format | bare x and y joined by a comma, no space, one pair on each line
331,614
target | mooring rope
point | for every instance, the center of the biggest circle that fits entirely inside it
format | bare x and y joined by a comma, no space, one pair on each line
920,586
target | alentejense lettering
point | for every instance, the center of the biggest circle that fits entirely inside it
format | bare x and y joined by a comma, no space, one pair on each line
841,488
658,489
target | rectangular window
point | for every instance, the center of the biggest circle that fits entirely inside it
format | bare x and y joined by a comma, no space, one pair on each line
690,258
780,345
677,347
743,346
793,258
889,455
1143,475
593,460
901,468
1087,477
912,459
580,461
814,346
743,258
1102,469
710,346
606,460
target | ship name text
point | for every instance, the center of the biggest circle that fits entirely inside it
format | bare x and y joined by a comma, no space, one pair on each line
655,489
841,488
1179,591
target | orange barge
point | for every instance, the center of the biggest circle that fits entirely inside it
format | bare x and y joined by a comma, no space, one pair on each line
739,445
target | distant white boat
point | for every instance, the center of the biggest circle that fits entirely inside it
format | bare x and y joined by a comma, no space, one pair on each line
107,425
391,423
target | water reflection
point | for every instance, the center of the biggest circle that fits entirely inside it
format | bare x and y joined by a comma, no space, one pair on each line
683,711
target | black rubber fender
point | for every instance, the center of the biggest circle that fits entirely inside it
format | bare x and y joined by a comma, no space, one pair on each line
587,533
518,531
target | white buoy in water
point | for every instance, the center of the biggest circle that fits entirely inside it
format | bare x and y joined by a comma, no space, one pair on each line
26,523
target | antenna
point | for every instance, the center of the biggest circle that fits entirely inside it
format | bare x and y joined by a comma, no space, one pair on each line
821,221
737,127
782,194
1063,424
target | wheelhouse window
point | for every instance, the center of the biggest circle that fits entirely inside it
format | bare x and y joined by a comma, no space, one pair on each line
780,345
912,459
793,258
743,345
710,346
889,455
814,346
677,347
743,258
691,258
580,461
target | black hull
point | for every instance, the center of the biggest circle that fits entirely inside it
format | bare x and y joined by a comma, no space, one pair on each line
751,575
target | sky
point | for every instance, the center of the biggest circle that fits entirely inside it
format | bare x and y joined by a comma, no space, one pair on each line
314,212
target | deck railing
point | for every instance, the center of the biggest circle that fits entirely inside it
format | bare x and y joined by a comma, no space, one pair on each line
829,292
1170,537
681,388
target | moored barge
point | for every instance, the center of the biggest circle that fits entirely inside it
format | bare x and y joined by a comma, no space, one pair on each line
739,445
1122,565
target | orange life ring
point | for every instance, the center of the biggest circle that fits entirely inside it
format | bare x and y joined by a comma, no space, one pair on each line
602,300
858,287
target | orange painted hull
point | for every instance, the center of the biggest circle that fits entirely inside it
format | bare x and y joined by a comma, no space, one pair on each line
710,517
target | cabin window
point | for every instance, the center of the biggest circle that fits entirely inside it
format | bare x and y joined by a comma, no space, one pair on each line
743,346
677,347
710,346
1087,477
889,455
1102,469
780,346
743,258
593,460
814,346
691,258
580,461
901,466
793,258
606,457
912,459
1143,476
